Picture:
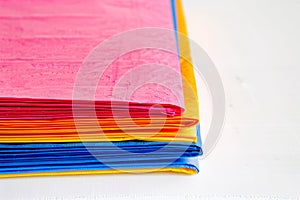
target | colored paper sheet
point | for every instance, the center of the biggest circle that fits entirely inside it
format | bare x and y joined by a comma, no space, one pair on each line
50,44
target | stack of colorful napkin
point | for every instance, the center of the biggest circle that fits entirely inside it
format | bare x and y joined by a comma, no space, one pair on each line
52,122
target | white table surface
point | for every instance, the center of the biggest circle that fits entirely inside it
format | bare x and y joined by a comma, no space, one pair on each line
255,45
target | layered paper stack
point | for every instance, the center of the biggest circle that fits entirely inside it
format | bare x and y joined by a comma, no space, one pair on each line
87,87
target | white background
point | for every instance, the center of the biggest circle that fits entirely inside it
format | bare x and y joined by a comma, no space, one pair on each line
255,45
